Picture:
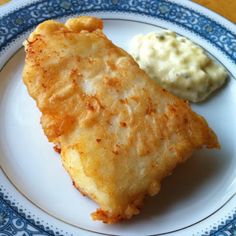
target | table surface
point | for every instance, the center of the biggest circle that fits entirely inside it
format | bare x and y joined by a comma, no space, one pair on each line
226,8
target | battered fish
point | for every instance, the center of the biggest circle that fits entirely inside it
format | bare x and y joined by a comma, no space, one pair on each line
120,133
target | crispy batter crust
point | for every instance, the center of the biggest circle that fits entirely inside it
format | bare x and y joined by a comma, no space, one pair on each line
120,133
57,148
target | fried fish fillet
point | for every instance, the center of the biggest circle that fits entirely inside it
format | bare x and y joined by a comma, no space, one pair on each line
120,133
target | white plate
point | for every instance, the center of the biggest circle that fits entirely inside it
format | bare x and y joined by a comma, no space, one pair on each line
36,194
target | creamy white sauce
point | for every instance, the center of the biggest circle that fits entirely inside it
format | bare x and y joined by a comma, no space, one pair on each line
177,64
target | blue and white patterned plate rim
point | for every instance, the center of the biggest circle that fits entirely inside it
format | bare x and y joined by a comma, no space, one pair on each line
17,20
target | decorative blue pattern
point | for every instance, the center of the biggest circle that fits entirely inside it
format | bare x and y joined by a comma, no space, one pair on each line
12,220
19,21
227,228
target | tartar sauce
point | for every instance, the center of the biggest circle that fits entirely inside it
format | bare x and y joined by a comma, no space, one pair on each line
177,64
